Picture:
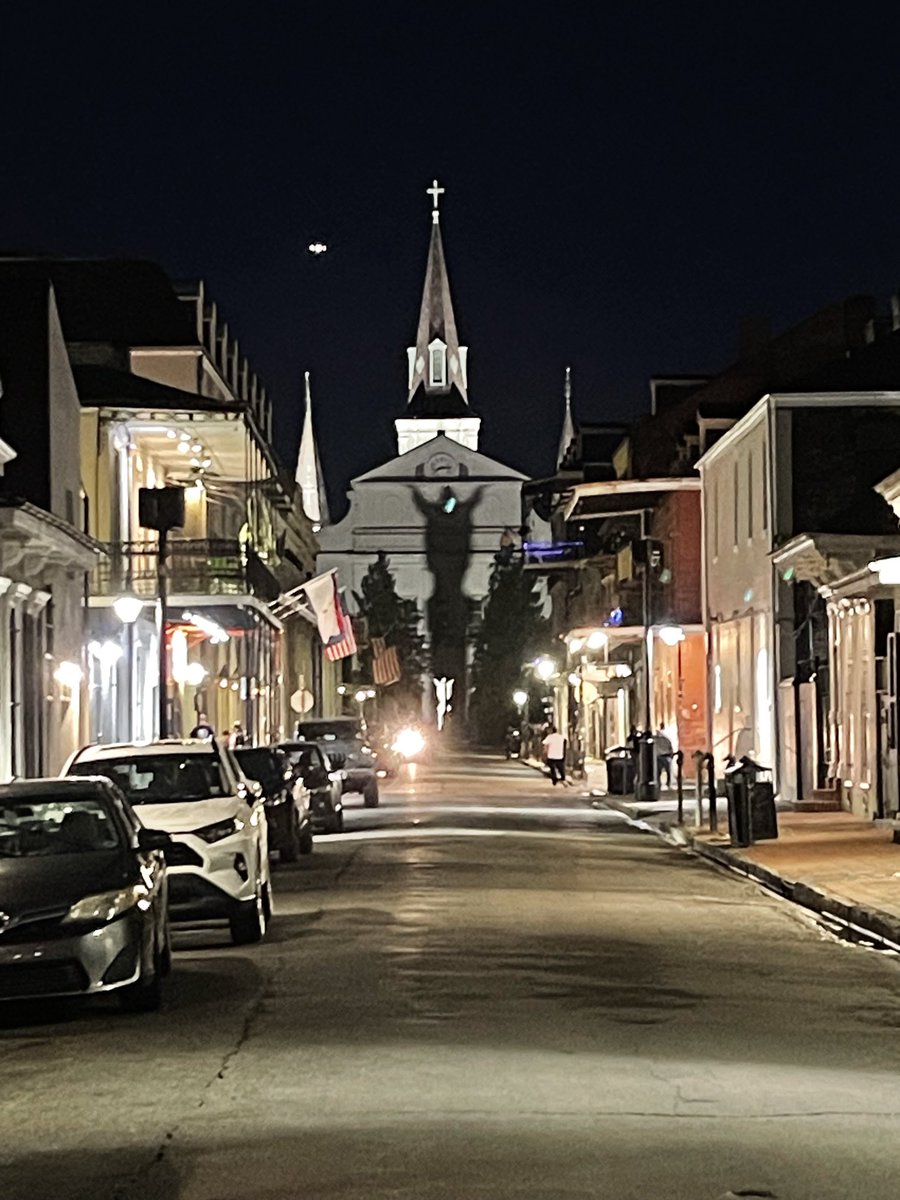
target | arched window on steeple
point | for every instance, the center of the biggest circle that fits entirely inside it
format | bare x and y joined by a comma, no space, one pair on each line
437,364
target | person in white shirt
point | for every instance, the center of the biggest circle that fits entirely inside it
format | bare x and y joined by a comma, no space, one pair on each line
555,755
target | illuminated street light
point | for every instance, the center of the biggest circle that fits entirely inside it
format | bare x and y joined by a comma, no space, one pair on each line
194,674
576,644
520,698
574,678
361,696
545,668
671,635
597,640
128,608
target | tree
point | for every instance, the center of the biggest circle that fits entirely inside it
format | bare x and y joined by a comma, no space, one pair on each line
512,631
396,620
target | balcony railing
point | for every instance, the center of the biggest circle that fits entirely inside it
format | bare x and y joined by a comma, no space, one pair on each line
208,567
550,556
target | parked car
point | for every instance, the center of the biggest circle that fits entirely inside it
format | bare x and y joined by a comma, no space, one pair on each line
315,772
287,807
83,895
218,862
344,736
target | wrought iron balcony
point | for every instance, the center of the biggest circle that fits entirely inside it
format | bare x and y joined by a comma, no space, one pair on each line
197,567
552,556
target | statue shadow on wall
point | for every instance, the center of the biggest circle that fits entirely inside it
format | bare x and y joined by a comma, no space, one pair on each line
448,551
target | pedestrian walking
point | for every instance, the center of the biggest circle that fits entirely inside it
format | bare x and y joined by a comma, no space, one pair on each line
238,737
555,756
664,754
203,729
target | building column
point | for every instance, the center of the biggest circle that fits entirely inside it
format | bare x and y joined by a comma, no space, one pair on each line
5,683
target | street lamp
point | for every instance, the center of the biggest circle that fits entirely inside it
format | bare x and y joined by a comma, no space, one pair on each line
597,639
520,698
128,608
545,668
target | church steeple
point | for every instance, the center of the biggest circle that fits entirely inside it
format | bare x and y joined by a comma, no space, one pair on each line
437,362
309,470
568,426
438,400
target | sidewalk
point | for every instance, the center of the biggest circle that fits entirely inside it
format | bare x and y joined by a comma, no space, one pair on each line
832,863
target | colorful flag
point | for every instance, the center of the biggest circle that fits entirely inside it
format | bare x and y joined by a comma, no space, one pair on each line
385,663
345,644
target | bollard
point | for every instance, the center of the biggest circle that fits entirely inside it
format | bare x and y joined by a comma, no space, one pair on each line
679,783
698,772
711,793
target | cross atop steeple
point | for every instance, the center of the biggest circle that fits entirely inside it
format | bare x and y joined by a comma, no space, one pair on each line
435,192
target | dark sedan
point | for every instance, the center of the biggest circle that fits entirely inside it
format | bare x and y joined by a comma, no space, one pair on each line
313,770
83,896
287,807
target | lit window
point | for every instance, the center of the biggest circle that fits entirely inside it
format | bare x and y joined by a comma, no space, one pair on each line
438,366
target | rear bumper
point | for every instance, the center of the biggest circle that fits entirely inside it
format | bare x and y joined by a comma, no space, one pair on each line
356,779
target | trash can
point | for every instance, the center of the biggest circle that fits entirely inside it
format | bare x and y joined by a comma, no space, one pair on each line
751,803
619,772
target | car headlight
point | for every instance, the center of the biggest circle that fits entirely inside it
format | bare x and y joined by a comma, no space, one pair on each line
219,830
106,906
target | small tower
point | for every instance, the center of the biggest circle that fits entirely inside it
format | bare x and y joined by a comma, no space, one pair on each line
309,470
438,400
567,433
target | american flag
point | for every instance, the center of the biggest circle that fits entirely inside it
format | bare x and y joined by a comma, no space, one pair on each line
385,662
345,644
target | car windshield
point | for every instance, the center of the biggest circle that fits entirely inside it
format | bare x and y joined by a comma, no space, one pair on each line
331,731
262,765
50,824
160,778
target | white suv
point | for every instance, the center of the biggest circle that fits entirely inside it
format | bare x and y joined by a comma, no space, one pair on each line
218,862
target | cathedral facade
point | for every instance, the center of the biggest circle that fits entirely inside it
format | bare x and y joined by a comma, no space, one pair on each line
440,510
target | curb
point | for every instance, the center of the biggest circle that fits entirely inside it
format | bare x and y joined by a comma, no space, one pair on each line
859,919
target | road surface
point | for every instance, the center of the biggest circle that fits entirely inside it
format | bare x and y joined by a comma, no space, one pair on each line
485,988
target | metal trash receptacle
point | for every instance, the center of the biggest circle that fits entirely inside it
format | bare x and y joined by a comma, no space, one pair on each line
750,794
620,773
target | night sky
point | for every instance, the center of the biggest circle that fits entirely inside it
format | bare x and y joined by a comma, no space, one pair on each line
621,189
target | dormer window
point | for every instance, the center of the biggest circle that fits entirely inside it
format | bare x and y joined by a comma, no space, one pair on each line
437,364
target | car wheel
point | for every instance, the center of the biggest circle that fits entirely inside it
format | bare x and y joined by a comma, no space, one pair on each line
370,794
290,849
337,822
145,994
306,841
248,919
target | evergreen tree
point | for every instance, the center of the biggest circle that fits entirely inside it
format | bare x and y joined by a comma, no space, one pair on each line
512,631
396,620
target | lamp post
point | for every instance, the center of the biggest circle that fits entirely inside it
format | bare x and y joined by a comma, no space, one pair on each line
128,608
520,699
162,509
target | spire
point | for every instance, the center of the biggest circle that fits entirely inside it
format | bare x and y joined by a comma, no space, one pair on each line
437,362
309,470
568,425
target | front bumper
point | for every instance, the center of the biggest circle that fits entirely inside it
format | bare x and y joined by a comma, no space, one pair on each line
205,881
82,964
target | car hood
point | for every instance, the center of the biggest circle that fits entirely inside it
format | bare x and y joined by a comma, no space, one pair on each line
58,880
184,816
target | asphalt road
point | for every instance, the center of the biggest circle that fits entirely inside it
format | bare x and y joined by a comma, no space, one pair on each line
483,989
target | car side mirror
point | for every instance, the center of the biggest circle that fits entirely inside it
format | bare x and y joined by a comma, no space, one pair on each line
153,839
